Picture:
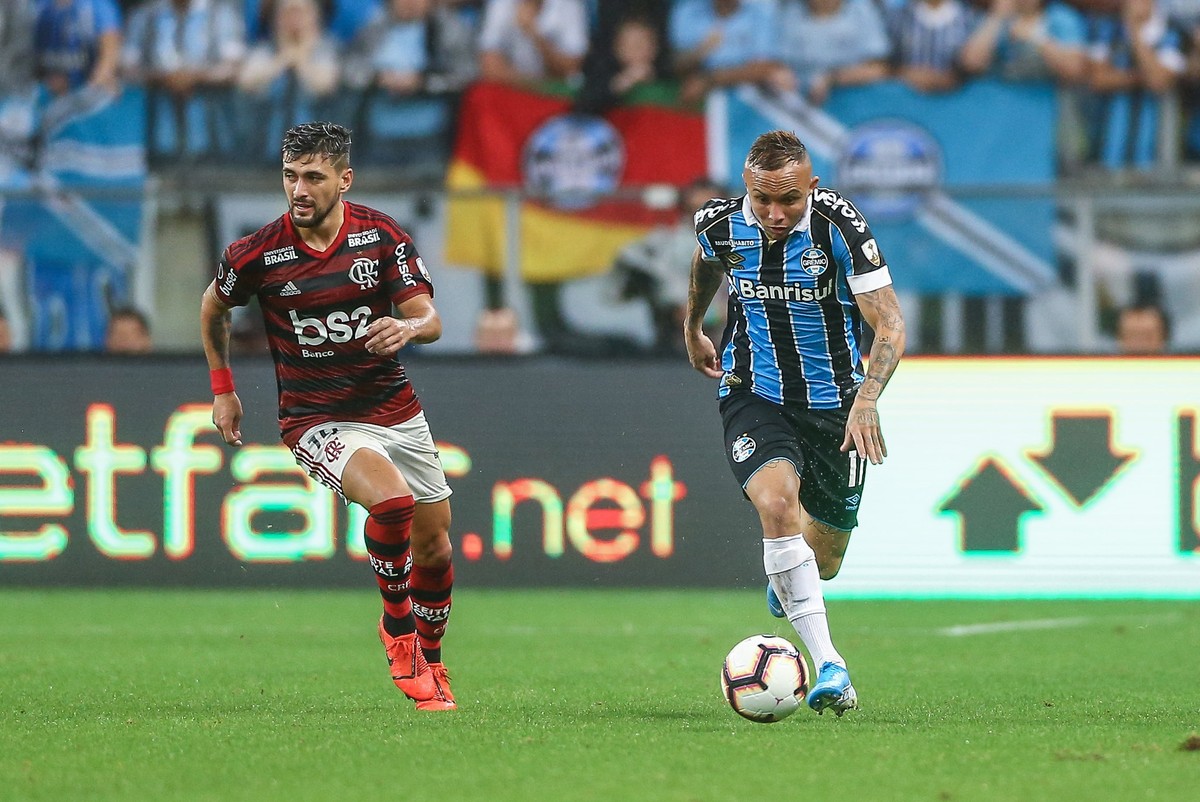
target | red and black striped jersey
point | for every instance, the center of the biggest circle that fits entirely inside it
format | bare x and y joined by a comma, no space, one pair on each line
317,305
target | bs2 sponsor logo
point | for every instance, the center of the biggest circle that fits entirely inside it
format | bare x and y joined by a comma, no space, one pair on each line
337,327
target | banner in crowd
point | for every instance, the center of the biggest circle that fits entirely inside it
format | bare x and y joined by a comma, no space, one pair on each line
73,219
571,225
957,187
1009,477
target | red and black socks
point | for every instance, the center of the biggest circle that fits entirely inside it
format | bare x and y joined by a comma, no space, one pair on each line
387,538
431,604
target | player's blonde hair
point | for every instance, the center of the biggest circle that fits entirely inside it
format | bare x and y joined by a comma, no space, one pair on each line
774,149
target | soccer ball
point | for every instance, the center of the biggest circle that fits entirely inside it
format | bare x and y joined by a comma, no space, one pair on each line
764,678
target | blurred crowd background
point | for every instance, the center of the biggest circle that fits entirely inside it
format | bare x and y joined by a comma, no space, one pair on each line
138,138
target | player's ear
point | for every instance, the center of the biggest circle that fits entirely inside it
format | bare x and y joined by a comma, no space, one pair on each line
347,178
816,179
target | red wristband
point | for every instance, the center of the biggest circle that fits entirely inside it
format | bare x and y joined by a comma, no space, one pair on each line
221,380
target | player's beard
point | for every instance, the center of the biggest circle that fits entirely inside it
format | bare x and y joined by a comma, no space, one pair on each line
318,215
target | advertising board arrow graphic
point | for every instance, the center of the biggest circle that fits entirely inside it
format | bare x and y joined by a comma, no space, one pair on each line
1081,457
990,503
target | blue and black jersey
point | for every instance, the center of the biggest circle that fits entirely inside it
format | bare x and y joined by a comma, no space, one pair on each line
794,329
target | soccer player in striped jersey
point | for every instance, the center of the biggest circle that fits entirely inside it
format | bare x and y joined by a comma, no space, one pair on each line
342,289
799,413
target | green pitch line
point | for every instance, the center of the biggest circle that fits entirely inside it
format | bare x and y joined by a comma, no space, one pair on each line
587,695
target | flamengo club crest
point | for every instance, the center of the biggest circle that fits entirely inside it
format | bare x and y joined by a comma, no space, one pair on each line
365,272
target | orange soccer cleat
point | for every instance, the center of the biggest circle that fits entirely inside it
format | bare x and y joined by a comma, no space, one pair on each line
443,699
410,672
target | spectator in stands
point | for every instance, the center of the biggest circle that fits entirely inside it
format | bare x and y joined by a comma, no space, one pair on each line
299,59
927,37
524,42
392,53
187,52
1135,58
128,332
831,43
17,19
452,31
1143,329
648,269
633,64
344,19
349,18
1184,16
77,44
726,42
6,340
413,46
18,95
499,332
627,52
1029,40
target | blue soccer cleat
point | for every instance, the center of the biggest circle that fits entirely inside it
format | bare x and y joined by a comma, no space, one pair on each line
832,690
773,605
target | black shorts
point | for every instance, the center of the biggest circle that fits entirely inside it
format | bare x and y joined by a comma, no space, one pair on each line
758,431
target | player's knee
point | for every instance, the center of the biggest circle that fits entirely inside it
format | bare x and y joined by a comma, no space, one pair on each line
779,513
431,549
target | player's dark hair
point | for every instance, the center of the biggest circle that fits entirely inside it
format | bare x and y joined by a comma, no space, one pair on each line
318,139
774,149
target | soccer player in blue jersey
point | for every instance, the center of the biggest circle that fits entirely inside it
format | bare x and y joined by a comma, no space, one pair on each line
799,412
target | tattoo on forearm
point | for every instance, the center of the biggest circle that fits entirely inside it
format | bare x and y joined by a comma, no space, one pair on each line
219,327
867,417
702,286
887,349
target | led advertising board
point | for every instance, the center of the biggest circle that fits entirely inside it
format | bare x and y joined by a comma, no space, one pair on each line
1005,477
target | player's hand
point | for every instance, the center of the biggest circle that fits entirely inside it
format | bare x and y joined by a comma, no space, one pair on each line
702,354
863,433
387,335
227,417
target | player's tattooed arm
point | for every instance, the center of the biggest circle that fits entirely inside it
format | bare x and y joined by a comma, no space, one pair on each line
702,287
216,321
881,309
215,324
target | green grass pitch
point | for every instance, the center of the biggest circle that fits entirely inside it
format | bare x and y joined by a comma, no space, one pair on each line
588,695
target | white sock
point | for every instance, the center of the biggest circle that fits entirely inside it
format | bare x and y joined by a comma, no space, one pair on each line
792,571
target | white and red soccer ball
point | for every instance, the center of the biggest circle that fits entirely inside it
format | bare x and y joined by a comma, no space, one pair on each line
764,678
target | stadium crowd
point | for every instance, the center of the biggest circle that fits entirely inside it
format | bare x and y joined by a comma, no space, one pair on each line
222,79
227,76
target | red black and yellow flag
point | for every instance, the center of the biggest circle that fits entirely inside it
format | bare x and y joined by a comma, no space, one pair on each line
581,174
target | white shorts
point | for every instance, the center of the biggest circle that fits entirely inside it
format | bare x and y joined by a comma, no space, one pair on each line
325,449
